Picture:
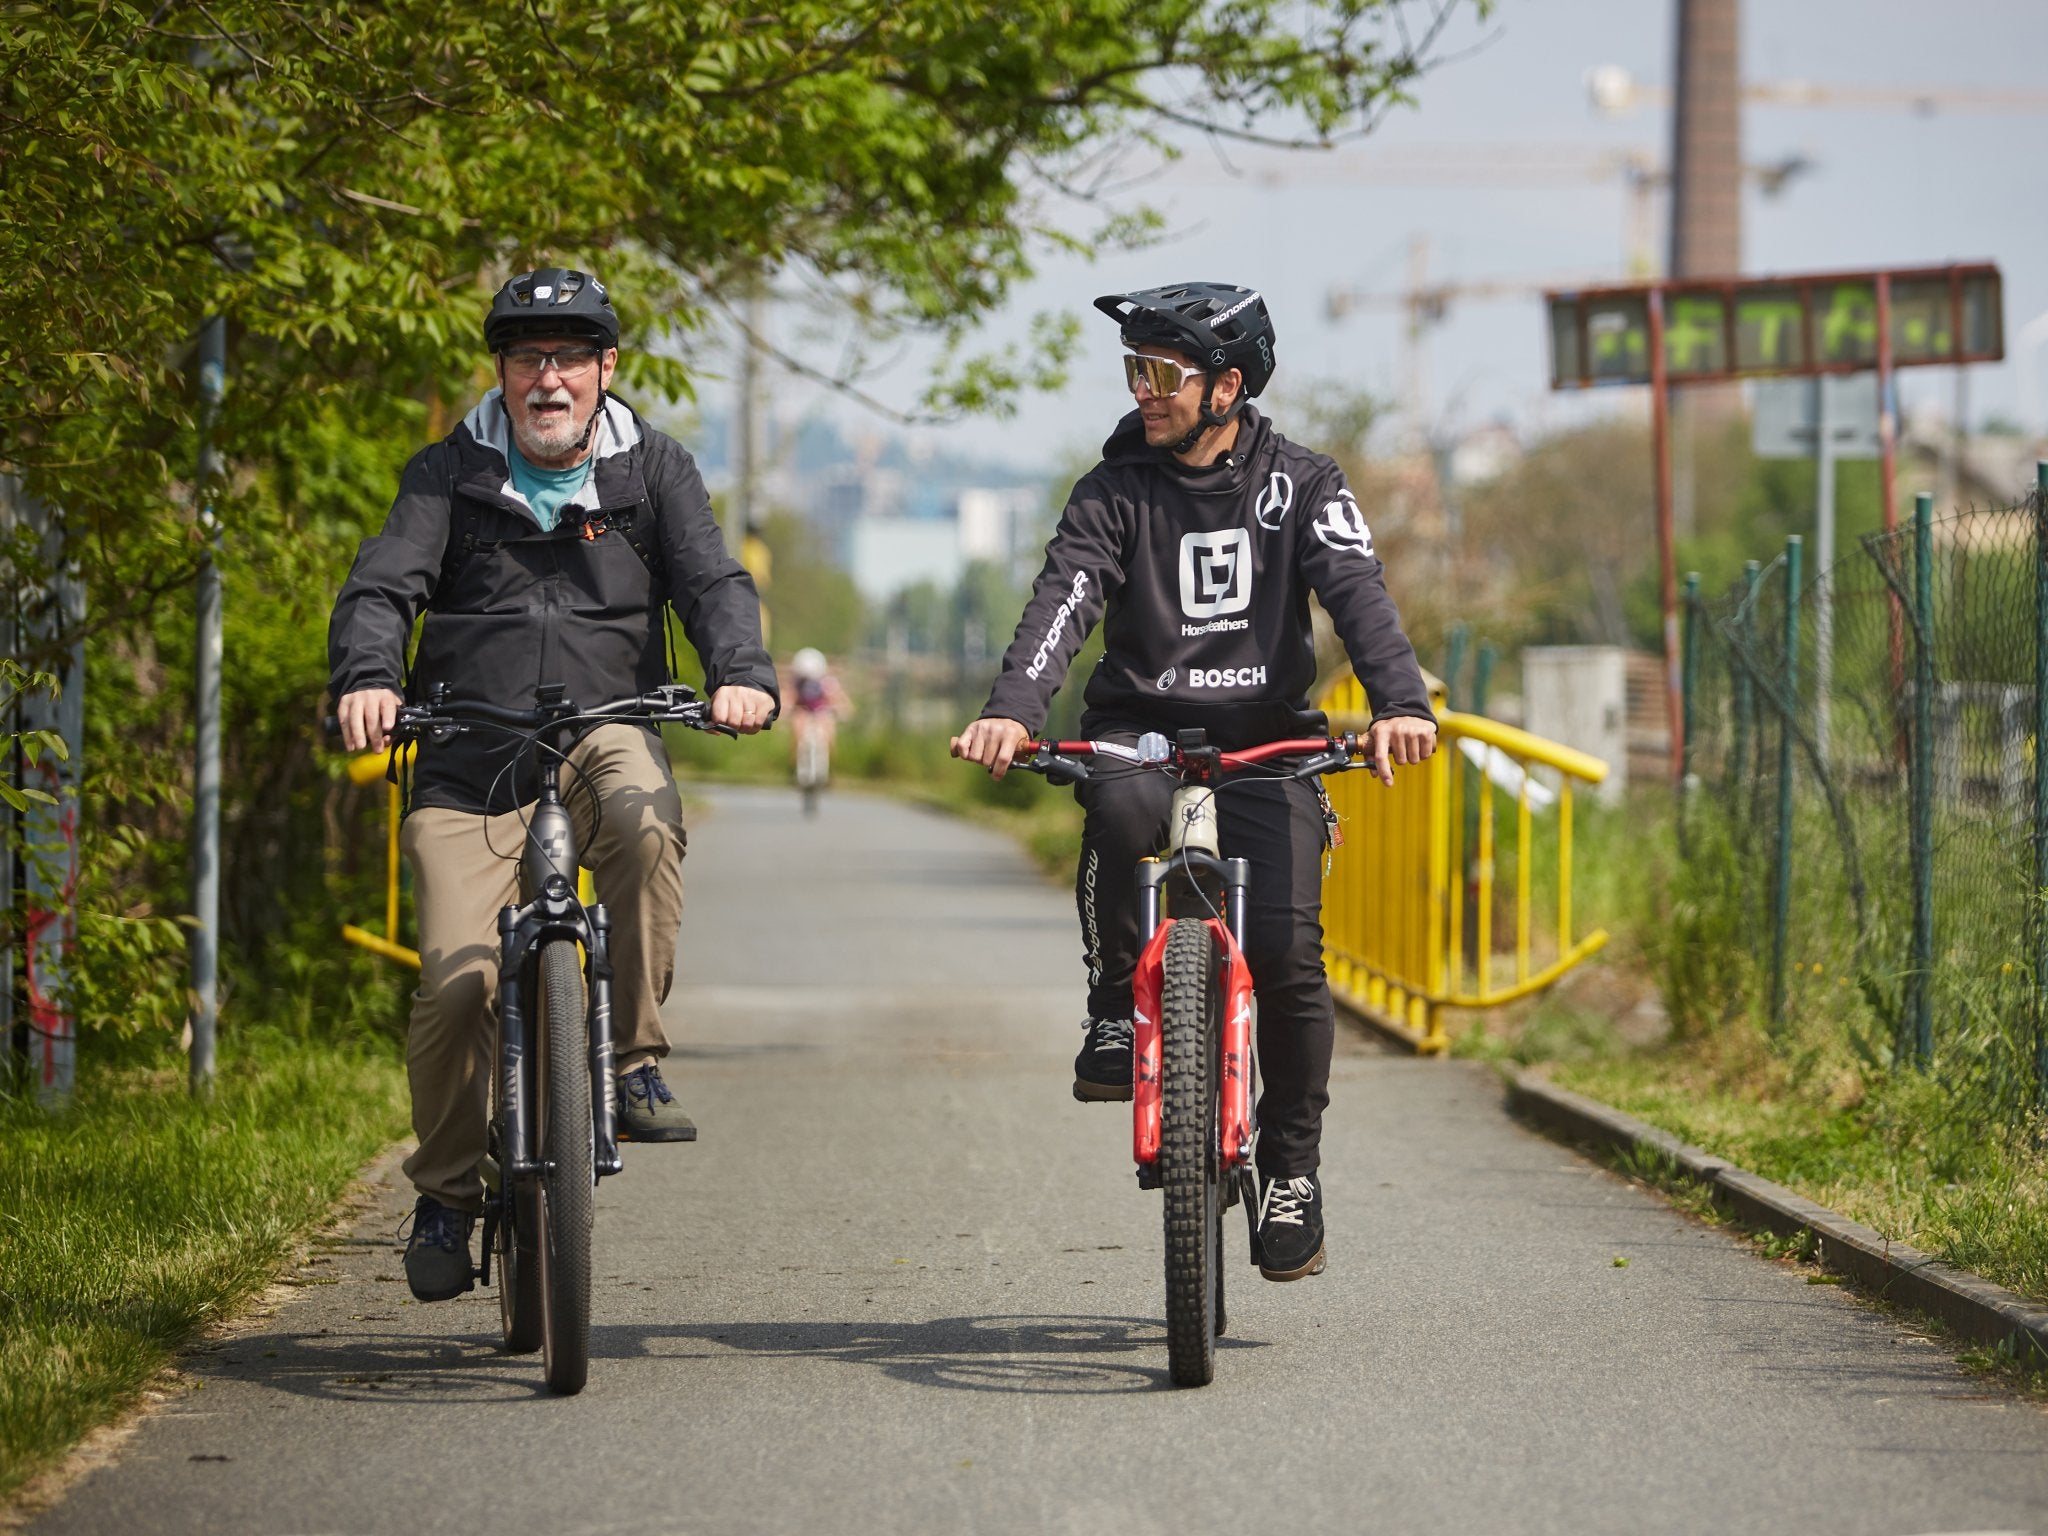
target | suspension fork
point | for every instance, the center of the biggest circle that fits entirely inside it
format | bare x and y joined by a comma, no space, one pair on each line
513,1054
604,1104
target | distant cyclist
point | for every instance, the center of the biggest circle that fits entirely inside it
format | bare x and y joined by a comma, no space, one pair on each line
1201,535
816,704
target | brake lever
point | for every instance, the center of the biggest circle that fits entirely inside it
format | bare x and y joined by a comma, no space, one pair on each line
1064,770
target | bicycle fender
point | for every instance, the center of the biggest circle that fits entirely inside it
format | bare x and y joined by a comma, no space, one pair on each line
1145,988
1234,1113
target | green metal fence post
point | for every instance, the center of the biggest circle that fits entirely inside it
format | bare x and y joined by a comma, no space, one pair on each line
1781,891
1691,688
1738,677
1482,675
1454,663
1919,1016
2040,912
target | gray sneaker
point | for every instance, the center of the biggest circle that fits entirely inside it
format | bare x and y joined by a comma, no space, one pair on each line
437,1264
648,1111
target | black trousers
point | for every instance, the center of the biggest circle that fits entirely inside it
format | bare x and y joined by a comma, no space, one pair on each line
1278,826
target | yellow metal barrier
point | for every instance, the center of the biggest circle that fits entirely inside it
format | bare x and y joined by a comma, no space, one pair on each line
1395,911
368,768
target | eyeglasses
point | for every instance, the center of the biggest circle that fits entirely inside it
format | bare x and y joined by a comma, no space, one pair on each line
532,362
1162,376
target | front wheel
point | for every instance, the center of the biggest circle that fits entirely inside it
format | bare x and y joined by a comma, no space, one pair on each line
1189,1019
567,1192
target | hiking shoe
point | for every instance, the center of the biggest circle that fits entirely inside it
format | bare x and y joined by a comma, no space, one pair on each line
1103,1069
1287,1226
648,1111
437,1264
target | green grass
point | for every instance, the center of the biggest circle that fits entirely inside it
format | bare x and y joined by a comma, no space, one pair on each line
1898,1152
1949,1161
139,1216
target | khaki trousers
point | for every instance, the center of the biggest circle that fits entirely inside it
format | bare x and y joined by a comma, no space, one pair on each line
465,868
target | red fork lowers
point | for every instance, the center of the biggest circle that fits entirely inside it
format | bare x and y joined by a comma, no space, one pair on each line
1234,1114
1145,988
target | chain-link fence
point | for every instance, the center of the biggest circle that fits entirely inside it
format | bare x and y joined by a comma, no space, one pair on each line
1866,821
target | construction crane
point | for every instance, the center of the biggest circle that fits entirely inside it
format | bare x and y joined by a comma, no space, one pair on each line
1428,304
1640,171
1617,93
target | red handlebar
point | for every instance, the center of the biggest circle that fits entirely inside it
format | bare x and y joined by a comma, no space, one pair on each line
1301,746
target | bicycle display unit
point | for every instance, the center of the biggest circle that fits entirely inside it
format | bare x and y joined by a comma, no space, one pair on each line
1194,1066
554,1120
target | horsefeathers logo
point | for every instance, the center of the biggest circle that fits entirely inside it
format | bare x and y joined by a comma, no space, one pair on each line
1276,502
1342,525
1215,572
1166,678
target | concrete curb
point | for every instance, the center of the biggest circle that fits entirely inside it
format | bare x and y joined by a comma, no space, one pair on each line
1972,1308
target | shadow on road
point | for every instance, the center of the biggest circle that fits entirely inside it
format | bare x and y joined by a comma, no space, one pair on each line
387,1367
1061,1355
965,1354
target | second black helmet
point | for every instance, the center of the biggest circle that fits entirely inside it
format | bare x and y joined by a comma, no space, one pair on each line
1218,325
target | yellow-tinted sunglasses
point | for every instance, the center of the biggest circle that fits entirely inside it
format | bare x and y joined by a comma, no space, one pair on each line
1161,376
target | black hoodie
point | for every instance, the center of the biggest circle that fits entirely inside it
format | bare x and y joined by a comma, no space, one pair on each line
1205,575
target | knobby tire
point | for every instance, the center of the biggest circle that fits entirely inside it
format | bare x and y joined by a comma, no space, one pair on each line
1189,1070
568,1187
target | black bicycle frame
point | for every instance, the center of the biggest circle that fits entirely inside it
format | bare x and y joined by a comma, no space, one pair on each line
547,879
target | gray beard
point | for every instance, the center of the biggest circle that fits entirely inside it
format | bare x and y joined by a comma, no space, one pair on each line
548,443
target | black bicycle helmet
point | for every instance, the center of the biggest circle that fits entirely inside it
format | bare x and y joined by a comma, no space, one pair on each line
555,301
1219,325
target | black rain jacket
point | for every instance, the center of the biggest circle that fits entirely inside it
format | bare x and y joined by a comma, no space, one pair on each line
527,607
1205,576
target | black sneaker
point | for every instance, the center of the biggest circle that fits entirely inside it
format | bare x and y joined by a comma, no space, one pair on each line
1103,1069
1287,1226
437,1264
648,1111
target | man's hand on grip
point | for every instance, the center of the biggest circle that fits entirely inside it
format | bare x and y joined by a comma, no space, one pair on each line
1401,740
366,717
992,742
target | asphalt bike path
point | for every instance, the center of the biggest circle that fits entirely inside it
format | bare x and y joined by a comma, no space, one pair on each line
905,1283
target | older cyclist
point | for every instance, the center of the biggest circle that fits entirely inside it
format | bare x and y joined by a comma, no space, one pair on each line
1201,535
542,538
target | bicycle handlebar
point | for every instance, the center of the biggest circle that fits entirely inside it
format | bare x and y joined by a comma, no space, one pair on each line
672,704
1062,761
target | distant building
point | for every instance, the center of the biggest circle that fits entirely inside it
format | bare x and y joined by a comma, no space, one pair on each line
1000,526
887,554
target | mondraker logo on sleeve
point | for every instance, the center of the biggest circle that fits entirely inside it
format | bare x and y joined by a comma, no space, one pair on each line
1058,626
1215,572
1274,503
1166,678
1342,525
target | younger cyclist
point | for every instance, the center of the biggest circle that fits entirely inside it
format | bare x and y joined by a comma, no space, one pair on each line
1201,536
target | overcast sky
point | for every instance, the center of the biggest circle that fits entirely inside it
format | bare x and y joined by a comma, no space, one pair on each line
1888,187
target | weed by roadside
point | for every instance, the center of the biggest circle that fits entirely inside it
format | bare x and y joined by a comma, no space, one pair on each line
140,1215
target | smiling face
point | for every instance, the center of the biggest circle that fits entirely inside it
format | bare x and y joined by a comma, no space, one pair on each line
1170,417
553,386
